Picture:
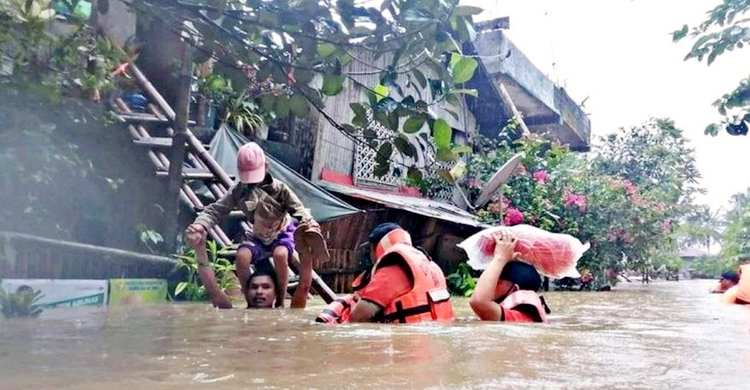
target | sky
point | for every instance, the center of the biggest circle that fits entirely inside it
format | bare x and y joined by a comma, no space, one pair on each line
619,56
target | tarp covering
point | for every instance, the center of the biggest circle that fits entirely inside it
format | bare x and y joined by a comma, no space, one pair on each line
324,206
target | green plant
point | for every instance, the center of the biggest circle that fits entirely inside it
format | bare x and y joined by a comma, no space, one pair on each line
725,29
241,112
22,303
625,200
461,282
149,237
78,61
192,289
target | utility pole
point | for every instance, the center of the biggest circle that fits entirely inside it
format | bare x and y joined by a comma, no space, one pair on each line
177,153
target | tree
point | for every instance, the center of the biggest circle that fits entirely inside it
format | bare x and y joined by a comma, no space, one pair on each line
623,200
655,157
701,226
726,28
300,51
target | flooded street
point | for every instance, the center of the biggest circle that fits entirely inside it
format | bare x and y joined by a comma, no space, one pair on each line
666,335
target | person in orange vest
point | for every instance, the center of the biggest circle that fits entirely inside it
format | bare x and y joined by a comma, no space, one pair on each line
739,293
507,289
403,285
728,279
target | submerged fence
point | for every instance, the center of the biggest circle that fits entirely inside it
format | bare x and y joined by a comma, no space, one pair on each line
30,257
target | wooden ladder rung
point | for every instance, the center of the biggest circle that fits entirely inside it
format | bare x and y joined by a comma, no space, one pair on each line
154,142
192,174
143,118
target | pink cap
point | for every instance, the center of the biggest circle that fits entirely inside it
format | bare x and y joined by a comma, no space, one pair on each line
251,163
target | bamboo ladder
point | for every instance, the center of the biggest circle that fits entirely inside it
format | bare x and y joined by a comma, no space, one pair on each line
206,168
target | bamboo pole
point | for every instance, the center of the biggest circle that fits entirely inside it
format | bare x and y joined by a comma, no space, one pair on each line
177,154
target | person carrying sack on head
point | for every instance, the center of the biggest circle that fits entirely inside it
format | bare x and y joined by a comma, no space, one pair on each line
270,206
507,289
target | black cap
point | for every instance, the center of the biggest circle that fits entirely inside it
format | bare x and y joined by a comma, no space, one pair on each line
522,274
380,231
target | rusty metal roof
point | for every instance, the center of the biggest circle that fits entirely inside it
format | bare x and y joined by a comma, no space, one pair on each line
422,206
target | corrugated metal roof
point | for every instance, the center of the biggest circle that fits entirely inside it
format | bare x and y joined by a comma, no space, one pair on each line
422,206
693,253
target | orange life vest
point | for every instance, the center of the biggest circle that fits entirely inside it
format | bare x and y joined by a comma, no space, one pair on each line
338,311
526,299
428,300
743,287
739,293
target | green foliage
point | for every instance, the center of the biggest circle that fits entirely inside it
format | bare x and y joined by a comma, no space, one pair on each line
700,227
73,62
21,303
726,28
735,238
240,113
655,157
149,237
711,266
462,283
192,289
279,51
625,200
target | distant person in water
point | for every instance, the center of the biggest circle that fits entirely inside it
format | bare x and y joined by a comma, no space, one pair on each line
507,289
270,206
261,288
728,280
740,292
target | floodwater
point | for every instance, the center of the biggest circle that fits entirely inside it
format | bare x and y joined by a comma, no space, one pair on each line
665,335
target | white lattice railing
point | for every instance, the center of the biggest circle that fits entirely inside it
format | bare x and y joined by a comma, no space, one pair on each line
364,162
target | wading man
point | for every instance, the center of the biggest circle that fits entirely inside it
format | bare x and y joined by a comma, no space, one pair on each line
261,289
270,206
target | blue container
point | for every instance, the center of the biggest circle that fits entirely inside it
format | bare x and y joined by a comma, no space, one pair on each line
136,101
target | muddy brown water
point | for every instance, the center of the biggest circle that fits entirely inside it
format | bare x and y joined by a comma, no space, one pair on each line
665,335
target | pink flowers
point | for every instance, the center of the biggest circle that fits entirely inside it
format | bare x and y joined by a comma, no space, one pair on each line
513,216
541,176
630,188
666,226
575,200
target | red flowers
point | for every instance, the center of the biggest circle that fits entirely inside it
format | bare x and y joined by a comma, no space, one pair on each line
541,176
575,200
513,216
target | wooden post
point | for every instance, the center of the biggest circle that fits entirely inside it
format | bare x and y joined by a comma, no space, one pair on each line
177,154
505,97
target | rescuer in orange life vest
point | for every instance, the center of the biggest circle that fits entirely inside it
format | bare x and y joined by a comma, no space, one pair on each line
507,290
402,286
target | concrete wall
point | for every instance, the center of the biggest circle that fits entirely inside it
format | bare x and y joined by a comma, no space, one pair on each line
118,22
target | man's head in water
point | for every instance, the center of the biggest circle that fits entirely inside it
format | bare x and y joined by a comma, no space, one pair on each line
517,276
729,279
261,288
